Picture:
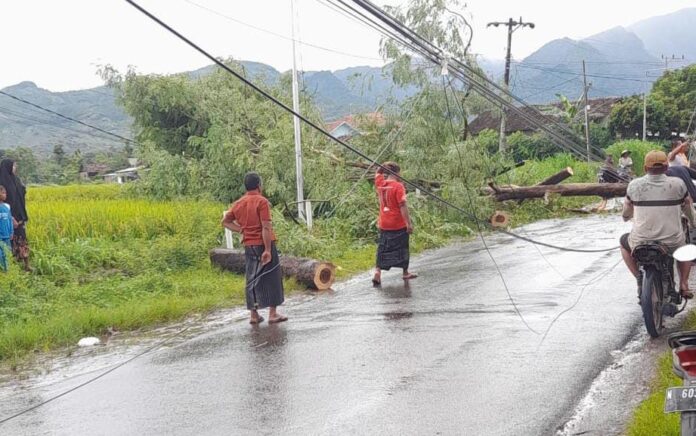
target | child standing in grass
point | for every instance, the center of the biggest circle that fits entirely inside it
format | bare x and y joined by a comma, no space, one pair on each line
6,228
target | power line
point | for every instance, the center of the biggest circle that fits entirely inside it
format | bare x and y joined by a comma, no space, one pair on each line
386,146
337,140
287,38
23,116
95,378
123,138
462,71
623,78
526,62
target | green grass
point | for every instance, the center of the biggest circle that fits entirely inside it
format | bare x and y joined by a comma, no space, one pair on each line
649,418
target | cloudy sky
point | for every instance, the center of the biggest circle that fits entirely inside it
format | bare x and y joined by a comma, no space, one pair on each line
59,44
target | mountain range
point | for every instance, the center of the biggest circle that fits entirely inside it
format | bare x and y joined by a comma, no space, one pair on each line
620,61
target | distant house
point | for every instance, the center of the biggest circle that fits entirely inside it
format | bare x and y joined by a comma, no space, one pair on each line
600,109
123,176
93,170
349,126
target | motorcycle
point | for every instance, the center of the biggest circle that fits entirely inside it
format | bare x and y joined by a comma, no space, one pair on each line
658,297
683,399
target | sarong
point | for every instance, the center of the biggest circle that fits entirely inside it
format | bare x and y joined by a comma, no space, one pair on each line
392,249
264,284
5,246
20,245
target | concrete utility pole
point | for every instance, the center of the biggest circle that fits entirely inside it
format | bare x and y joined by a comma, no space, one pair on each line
587,115
645,114
512,25
296,124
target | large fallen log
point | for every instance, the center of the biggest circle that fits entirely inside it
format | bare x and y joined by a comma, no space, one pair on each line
557,178
503,193
554,179
309,272
506,169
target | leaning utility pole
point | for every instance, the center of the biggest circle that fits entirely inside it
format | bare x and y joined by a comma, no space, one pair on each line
587,116
512,25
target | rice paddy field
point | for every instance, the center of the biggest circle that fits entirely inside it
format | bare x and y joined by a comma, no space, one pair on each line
101,259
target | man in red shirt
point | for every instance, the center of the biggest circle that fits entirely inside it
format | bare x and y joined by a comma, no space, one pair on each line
251,216
394,223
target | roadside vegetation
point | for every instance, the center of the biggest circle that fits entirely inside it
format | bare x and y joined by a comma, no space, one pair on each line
650,418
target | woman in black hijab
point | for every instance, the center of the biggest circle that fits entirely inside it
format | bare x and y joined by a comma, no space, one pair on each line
16,198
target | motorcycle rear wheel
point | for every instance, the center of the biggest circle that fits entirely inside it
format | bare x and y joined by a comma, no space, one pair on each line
651,302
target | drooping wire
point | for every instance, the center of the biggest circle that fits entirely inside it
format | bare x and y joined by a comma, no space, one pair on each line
580,293
97,377
27,117
278,35
74,120
338,140
380,152
477,221
490,172
577,300
466,73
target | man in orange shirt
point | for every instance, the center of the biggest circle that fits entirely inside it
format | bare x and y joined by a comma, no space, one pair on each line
251,216
394,223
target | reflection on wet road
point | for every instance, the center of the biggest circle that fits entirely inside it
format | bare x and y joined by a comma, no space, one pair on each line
445,354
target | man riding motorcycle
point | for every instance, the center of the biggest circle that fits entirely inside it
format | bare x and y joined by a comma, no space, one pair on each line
656,203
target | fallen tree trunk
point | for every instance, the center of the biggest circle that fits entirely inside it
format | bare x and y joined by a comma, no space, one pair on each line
506,169
554,179
312,273
557,178
568,190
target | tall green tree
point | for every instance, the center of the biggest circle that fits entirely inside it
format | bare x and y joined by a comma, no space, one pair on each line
626,118
670,106
199,136
59,154
676,90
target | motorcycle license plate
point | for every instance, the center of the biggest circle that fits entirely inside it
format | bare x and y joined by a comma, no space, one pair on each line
680,399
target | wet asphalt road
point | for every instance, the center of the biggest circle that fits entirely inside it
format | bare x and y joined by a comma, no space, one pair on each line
447,354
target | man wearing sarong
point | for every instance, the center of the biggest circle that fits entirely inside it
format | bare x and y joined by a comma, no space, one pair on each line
251,216
394,223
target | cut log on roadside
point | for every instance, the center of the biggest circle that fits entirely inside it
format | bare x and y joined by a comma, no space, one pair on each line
500,219
309,272
608,190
